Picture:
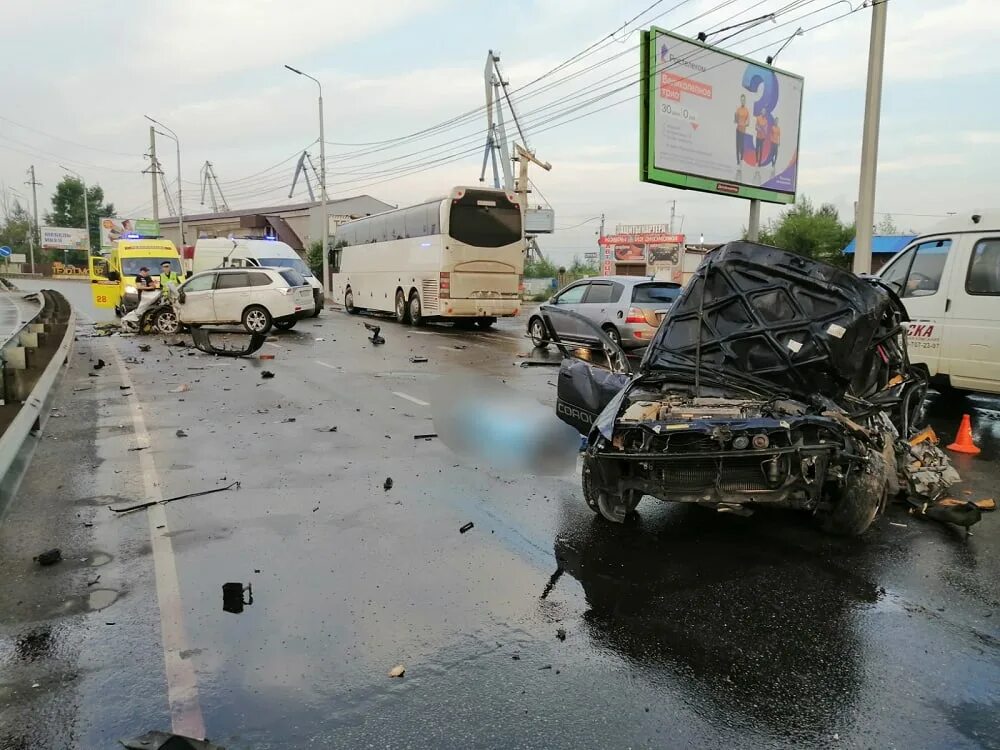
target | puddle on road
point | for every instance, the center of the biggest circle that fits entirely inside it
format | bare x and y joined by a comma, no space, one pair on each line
92,601
101,500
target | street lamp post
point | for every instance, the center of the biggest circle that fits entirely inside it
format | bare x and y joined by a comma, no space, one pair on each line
180,194
86,209
322,182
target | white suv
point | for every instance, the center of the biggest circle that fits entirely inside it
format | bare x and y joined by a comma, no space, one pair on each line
255,297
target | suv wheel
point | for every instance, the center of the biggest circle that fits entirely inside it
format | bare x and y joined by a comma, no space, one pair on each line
166,322
257,319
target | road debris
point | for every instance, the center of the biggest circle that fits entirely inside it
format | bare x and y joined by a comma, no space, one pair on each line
544,667
958,512
144,347
266,356
182,388
140,448
287,420
266,374
130,508
99,365
233,600
94,582
387,485
553,579
124,387
181,434
427,436
561,634
49,557
250,342
326,429
375,338
398,671
418,360
540,363
167,741
467,527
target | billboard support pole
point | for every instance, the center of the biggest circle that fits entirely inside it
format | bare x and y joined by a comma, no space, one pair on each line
753,226
869,143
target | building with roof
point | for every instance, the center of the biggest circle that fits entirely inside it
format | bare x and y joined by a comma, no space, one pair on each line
884,246
297,224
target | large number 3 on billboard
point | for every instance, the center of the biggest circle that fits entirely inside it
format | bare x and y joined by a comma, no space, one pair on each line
755,77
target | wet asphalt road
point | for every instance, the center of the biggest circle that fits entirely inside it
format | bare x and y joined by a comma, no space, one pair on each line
684,629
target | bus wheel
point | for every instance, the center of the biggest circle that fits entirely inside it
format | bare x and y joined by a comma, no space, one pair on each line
349,303
416,316
486,323
402,309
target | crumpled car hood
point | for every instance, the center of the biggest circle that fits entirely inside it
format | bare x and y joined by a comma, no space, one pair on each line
777,322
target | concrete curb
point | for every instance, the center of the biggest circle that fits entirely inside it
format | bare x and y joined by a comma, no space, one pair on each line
15,446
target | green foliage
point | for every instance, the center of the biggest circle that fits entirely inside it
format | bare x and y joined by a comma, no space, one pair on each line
540,269
15,226
581,268
815,233
314,258
887,225
67,207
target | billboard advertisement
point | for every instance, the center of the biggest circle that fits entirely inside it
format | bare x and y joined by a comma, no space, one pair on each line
717,122
657,251
113,229
64,238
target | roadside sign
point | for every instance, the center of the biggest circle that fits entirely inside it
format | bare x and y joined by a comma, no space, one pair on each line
18,258
5,252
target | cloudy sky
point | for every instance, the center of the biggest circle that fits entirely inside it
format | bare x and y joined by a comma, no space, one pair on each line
82,75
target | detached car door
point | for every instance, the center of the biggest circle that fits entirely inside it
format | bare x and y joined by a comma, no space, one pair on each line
589,377
194,299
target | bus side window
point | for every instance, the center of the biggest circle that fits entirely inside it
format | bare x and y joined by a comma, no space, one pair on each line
335,256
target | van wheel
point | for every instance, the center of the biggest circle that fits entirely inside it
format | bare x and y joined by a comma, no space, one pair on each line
416,314
166,322
257,319
349,302
402,309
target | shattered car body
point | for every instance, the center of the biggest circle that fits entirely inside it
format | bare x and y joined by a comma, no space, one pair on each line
774,380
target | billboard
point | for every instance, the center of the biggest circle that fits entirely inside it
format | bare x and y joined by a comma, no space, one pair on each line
64,238
717,122
113,229
658,252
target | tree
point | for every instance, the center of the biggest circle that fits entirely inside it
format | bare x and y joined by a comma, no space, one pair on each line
15,225
886,225
815,233
540,269
582,268
67,208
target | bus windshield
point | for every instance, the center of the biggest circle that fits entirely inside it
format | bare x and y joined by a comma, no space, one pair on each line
297,263
485,219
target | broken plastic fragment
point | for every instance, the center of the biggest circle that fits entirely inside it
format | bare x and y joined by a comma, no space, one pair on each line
398,671
836,331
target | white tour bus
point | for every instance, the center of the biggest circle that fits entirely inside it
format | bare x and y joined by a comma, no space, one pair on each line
456,258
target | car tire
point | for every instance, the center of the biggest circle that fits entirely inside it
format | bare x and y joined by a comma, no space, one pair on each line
416,314
611,507
285,325
166,322
613,334
257,319
486,323
402,309
318,310
539,336
349,302
861,500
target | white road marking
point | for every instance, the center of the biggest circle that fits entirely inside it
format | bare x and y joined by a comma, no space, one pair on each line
325,364
182,682
408,397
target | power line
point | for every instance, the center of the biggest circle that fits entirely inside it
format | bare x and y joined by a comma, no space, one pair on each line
64,140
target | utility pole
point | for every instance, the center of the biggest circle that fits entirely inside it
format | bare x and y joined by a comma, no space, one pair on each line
154,168
869,142
753,227
34,203
673,210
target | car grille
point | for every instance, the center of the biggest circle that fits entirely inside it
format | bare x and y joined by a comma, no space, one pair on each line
732,474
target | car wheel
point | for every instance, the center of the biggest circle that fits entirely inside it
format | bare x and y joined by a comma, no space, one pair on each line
861,500
613,334
402,309
319,308
486,323
166,322
612,507
257,319
285,325
539,336
416,315
349,302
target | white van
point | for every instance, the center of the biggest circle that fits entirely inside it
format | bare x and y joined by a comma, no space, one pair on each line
949,280
242,252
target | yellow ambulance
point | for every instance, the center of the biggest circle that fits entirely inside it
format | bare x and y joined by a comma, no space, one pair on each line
112,277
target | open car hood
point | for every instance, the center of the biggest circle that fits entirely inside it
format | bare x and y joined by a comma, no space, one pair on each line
777,322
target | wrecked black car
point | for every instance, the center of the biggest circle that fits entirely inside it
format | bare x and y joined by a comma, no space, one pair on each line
774,380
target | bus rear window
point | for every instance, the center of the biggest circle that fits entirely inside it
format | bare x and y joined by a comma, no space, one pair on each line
653,294
485,219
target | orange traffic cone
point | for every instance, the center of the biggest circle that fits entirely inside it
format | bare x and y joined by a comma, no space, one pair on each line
963,441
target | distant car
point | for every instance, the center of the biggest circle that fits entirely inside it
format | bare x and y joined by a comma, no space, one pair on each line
257,298
627,308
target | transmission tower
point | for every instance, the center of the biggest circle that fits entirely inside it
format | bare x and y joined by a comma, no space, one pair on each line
210,182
